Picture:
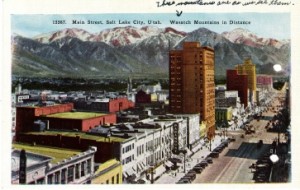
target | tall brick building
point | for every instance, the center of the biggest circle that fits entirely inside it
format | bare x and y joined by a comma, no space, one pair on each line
249,69
192,87
238,82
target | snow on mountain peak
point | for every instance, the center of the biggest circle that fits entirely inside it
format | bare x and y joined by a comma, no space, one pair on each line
71,32
244,36
118,36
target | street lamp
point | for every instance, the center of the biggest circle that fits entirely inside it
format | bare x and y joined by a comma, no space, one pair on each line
184,153
274,159
224,126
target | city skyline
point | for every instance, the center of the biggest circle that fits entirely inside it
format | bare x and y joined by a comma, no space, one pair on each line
267,25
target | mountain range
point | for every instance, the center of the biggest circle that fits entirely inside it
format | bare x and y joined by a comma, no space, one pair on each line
124,51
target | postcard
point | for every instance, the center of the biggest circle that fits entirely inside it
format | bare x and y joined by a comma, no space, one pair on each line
156,92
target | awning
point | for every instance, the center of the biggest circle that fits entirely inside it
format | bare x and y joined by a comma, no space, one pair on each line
169,164
125,174
188,152
142,165
175,160
129,172
159,170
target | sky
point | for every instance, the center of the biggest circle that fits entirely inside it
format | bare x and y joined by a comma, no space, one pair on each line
268,25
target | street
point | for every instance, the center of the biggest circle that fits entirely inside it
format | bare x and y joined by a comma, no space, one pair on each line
233,163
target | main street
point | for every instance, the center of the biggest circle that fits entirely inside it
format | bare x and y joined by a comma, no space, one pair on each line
233,164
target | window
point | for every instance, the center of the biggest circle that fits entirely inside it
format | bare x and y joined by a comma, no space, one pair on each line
107,181
118,176
82,169
63,176
56,178
49,179
113,180
89,166
70,173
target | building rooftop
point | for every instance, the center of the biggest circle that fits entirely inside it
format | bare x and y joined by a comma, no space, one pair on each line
75,115
82,135
57,154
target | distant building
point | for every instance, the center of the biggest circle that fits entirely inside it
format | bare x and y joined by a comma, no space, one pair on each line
264,82
192,87
53,166
25,116
223,116
142,97
249,69
59,116
238,82
149,89
110,105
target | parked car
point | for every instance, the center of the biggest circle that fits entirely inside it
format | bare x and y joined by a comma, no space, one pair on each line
225,143
187,178
260,143
219,150
232,139
209,160
203,164
192,176
183,181
198,169
214,154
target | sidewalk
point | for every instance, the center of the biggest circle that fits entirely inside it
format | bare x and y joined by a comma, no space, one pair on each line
172,177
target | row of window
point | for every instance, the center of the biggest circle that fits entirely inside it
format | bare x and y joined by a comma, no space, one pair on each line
61,178
140,150
128,148
117,177
128,160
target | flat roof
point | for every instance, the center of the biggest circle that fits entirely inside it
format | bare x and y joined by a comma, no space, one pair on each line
57,154
82,135
75,115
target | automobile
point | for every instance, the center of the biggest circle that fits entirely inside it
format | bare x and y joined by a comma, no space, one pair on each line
191,171
187,178
232,139
225,143
261,176
221,146
260,143
192,176
183,181
198,169
218,149
214,154
203,163
209,160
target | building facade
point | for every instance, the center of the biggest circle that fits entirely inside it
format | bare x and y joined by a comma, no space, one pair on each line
40,169
239,82
192,87
249,69
110,105
264,82
59,116
109,172
25,116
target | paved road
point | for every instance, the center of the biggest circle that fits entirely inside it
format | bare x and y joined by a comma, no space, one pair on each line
233,164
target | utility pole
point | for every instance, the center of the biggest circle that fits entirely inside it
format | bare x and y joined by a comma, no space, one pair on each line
22,170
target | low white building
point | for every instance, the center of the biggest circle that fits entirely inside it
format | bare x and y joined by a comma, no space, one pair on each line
153,142
40,169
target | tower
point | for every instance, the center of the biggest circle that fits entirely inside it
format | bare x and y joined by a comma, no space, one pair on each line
192,87
249,69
